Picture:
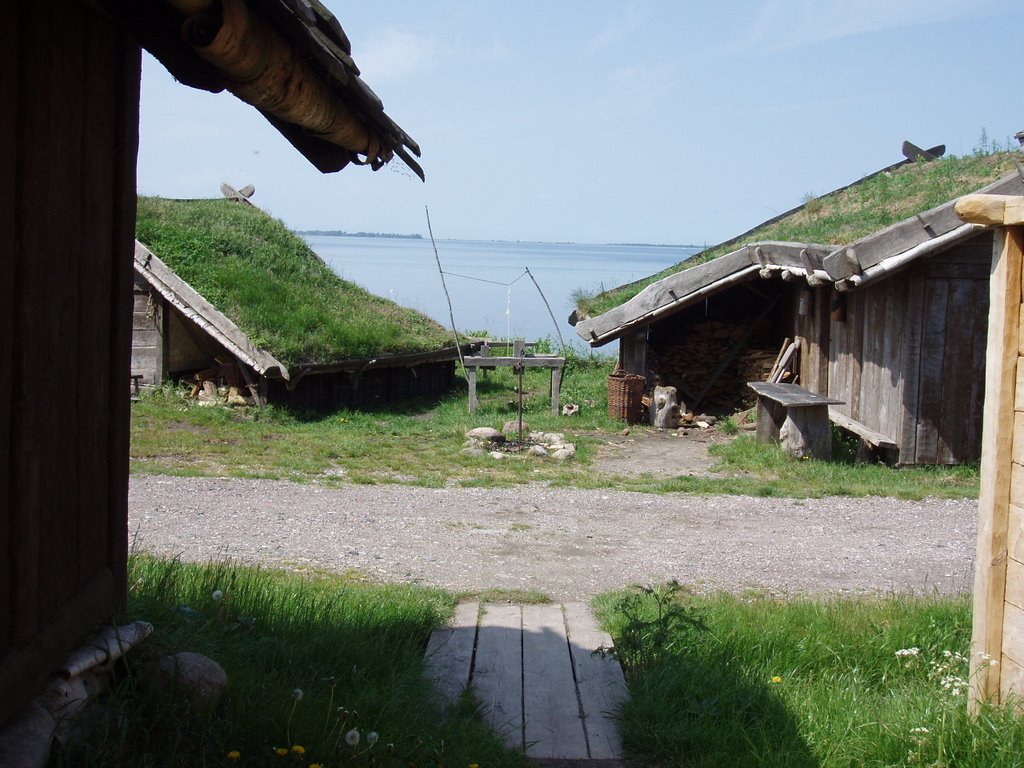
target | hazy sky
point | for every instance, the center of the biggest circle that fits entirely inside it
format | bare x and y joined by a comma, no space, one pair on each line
593,121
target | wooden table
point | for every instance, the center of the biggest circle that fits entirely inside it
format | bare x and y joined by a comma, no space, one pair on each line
795,418
519,356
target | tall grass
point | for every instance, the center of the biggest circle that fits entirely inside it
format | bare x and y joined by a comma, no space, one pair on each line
754,681
309,661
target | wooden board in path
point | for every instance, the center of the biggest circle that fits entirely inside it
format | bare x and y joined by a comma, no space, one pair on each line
535,672
498,670
599,681
450,653
552,724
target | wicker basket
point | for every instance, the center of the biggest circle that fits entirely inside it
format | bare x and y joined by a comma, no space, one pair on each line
625,396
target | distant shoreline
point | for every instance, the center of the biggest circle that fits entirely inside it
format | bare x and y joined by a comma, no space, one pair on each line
391,236
340,233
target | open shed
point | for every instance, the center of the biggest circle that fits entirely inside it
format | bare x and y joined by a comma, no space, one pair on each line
893,324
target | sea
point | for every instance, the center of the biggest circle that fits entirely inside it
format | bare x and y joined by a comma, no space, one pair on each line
500,288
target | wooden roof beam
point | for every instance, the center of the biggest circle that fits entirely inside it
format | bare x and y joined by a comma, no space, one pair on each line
991,210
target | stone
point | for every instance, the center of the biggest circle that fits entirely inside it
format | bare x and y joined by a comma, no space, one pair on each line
553,438
497,455
489,434
202,679
473,450
537,450
570,409
512,428
235,397
25,738
567,451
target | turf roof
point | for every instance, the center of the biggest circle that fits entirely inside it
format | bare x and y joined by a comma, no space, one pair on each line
844,216
268,282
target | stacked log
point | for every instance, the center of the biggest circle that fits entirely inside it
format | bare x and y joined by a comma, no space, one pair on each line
693,358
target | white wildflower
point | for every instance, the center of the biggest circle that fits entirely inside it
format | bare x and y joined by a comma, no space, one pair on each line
217,595
902,652
297,694
352,737
919,731
371,738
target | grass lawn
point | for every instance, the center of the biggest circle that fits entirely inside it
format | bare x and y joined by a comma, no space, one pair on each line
726,680
309,661
421,444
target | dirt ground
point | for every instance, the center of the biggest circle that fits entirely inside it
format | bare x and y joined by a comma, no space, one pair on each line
663,454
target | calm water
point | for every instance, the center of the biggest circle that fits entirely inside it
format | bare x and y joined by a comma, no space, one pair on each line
487,282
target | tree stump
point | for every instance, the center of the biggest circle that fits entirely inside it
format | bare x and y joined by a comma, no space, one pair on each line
665,408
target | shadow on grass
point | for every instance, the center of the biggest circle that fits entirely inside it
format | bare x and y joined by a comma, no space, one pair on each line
690,712
690,708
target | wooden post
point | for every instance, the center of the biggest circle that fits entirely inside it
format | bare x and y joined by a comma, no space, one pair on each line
471,379
998,628
556,385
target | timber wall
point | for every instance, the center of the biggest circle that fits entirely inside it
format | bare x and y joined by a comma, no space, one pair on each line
907,354
376,388
68,143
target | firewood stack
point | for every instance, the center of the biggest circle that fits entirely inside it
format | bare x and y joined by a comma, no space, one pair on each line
692,361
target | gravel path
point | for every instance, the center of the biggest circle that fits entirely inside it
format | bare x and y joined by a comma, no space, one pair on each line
568,543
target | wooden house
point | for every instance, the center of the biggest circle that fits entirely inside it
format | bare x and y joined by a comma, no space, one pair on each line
179,335
69,79
893,324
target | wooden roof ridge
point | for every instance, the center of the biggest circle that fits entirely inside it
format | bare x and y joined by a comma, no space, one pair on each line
856,258
848,266
681,289
196,308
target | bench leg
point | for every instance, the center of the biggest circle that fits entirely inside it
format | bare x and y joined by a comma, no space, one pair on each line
807,432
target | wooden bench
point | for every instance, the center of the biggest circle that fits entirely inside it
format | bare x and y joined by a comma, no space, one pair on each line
136,378
795,418
872,443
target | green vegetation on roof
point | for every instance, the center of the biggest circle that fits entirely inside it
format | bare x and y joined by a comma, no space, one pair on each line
844,216
267,280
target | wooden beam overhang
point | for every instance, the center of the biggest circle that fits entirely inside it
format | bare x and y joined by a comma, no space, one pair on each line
288,58
682,289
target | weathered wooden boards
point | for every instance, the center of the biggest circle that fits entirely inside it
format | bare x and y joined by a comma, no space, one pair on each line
998,631
552,362
536,674
795,418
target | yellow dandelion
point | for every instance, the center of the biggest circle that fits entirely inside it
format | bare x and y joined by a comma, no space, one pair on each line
776,679
298,749
281,751
234,754
474,765
315,765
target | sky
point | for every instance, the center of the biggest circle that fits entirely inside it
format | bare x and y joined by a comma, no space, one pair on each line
594,121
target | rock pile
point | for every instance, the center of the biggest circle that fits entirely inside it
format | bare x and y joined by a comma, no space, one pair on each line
489,441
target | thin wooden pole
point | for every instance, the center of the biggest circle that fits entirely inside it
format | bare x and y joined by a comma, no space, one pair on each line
451,314
553,321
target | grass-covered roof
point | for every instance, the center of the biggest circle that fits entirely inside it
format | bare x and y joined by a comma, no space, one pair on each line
268,282
843,216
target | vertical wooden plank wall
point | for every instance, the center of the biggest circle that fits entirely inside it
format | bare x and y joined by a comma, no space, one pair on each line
9,88
998,631
67,208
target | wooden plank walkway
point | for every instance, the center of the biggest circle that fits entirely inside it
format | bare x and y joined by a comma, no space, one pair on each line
534,671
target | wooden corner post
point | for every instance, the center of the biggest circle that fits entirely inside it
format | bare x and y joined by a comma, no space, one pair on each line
997,642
